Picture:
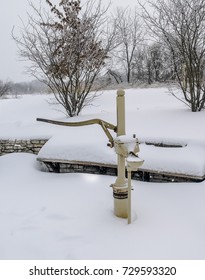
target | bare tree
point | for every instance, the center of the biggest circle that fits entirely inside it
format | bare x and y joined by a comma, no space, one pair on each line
130,35
67,47
180,25
151,64
5,87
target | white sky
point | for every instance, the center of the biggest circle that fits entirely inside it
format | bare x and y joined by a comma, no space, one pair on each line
11,68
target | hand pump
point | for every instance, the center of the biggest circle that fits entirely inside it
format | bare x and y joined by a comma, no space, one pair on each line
122,205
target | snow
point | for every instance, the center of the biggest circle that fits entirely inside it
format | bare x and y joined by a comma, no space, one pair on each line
188,160
70,216
81,145
150,114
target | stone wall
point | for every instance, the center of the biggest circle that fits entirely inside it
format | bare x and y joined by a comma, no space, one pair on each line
21,146
60,167
142,175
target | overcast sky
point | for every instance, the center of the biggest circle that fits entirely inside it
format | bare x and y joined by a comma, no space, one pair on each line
11,68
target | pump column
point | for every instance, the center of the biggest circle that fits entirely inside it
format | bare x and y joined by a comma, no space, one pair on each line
120,188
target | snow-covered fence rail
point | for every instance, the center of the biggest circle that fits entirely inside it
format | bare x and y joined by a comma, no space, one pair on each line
23,146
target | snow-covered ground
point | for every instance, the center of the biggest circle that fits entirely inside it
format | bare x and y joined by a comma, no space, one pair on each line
70,216
150,113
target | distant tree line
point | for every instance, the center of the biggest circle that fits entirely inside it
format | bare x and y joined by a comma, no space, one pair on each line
12,88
